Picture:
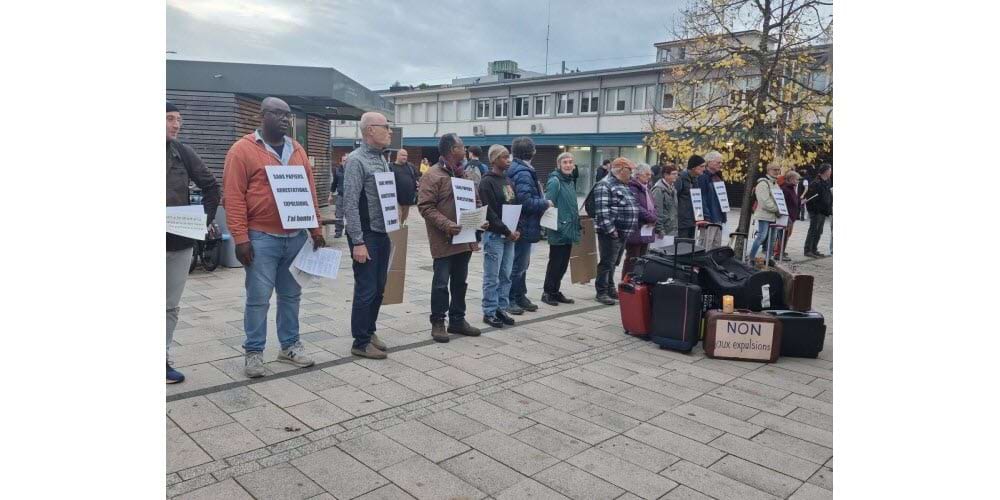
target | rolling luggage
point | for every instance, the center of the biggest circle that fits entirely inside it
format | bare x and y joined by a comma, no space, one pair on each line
720,273
633,299
655,267
802,333
676,313
798,289
742,335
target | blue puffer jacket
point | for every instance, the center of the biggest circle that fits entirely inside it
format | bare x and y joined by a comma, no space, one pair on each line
529,194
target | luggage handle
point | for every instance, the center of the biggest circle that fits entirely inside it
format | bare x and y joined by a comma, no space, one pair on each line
691,269
794,314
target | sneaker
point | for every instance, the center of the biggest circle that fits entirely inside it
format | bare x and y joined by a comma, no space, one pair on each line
515,310
493,321
604,299
562,299
370,352
507,320
463,329
377,342
527,305
254,364
295,355
438,333
550,300
174,376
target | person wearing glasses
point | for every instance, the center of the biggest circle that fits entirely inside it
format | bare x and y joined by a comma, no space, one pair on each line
263,246
767,208
366,233
616,217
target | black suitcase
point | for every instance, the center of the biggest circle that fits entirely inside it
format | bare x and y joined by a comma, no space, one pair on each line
719,273
677,307
654,268
803,333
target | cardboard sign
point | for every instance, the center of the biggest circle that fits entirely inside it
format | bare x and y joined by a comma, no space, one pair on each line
743,340
465,200
395,281
699,212
292,194
583,256
720,190
386,184
779,198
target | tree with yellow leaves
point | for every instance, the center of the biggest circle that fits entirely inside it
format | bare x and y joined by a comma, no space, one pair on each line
750,79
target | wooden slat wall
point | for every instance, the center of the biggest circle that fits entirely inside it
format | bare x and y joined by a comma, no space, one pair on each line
247,117
208,125
318,147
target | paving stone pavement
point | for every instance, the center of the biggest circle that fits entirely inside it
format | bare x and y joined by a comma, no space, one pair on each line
562,406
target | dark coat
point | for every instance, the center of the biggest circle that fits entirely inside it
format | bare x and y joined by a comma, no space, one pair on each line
685,211
823,201
529,195
646,216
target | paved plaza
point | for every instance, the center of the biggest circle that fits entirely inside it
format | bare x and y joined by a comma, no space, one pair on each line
564,405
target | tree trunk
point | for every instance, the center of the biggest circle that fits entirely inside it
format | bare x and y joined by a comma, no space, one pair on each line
743,229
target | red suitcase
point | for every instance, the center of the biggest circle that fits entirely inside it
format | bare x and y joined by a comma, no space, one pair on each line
633,298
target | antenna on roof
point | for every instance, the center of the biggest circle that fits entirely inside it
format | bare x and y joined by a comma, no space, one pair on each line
548,24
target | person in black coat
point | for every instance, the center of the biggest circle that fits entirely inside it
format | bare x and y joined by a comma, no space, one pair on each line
337,190
685,210
406,184
820,206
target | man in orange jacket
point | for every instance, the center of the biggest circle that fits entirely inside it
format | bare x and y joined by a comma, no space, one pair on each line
263,246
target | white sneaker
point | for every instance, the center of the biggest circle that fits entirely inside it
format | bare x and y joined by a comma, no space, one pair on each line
295,355
254,364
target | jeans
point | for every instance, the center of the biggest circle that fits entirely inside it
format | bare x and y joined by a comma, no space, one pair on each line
449,274
267,273
610,251
556,269
178,265
816,222
369,287
633,251
522,257
498,260
762,229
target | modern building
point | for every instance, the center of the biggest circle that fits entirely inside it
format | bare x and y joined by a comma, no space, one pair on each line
220,103
596,115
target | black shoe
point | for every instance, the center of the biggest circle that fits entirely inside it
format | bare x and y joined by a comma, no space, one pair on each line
819,255
493,321
811,255
563,299
613,292
463,329
338,234
515,310
771,263
604,299
550,300
527,305
507,320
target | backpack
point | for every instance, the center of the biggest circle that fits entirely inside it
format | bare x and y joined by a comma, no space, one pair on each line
589,205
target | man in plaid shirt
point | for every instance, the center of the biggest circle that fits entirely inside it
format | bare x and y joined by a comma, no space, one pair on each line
616,217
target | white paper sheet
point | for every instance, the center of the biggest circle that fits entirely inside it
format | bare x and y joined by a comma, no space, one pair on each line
386,184
471,221
323,263
647,230
292,194
720,190
465,200
550,218
663,242
188,221
511,215
779,198
699,212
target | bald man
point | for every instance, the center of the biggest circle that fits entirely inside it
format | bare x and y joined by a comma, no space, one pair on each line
263,246
366,233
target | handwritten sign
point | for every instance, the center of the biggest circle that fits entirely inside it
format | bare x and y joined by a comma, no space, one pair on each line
743,339
386,184
699,212
188,221
720,190
292,193
465,200
779,199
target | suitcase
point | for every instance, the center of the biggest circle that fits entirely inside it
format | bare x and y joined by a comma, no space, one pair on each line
802,333
720,273
655,268
633,299
798,289
742,335
676,313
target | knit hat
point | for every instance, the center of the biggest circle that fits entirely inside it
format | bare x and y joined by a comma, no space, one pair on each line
496,151
172,108
695,161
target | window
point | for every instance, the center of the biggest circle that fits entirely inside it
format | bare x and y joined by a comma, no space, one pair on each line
541,105
403,113
588,101
662,55
702,94
642,98
449,111
522,106
500,108
668,101
567,103
483,108
419,113
464,111
818,80
616,100
432,112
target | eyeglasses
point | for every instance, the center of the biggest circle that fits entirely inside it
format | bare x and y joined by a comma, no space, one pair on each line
386,126
280,114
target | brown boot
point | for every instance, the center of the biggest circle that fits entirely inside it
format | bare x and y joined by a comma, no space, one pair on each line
370,352
464,329
438,333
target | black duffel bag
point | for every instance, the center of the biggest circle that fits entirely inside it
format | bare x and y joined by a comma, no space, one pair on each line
657,265
720,273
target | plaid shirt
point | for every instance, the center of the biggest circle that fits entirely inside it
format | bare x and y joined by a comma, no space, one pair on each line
615,208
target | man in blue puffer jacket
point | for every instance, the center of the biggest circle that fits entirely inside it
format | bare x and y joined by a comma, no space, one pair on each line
533,204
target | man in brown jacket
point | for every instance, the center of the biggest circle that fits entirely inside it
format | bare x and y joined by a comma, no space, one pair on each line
436,202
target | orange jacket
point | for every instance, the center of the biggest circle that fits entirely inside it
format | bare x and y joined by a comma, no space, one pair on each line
247,194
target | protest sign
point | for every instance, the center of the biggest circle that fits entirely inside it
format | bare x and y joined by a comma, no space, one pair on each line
292,194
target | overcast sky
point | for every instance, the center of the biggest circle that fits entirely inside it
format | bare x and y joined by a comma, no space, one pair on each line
377,42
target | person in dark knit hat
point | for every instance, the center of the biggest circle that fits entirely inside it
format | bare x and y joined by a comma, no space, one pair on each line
685,210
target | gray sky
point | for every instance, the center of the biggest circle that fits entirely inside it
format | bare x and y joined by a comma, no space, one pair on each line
377,42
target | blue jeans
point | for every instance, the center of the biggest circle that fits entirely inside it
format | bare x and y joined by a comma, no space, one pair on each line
522,257
268,272
498,260
369,287
762,228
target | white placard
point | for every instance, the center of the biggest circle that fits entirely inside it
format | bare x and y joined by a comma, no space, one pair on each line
720,190
744,339
699,213
465,200
188,221
511,215
647,230
386,184
782,221
550,218
663,242
292,194
779,198
322,263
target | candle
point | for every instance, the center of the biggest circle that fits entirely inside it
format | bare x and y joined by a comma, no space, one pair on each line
727,303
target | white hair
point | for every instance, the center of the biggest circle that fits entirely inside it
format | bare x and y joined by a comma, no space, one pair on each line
793,176
713,156
368,119
567,154
641,168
